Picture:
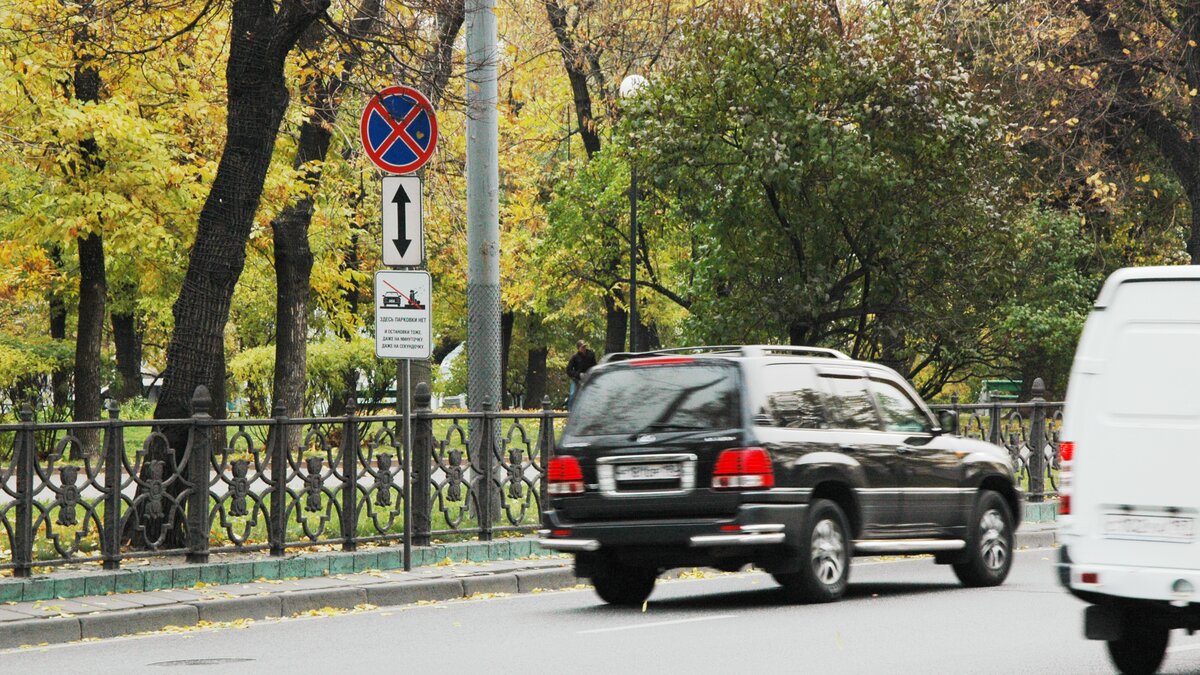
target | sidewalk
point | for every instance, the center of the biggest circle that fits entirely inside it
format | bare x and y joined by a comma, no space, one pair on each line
53,621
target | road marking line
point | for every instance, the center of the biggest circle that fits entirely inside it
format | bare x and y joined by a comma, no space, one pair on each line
656,624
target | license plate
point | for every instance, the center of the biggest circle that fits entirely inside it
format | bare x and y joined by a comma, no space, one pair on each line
648,471
1154,528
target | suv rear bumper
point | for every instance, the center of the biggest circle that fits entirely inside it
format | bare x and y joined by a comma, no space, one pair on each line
754,525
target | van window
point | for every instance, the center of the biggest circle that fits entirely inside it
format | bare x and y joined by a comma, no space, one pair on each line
850,404
627,400
899,411
790,398
1153,371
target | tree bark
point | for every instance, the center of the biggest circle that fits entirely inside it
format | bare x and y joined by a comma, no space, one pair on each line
535,377
128,340
260,42
89,337
616,324
60,379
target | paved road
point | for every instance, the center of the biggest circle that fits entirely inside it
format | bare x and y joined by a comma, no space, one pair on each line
903,616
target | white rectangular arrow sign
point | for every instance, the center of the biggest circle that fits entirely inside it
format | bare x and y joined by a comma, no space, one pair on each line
403,225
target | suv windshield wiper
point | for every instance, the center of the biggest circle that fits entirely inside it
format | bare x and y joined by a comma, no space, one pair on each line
666,426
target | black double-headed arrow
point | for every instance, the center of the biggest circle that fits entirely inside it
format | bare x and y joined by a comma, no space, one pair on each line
401,200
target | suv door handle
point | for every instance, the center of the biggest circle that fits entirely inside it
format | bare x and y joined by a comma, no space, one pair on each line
850,448
905,449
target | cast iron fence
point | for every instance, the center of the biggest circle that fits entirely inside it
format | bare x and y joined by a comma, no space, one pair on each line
277,483
1029,431
264,484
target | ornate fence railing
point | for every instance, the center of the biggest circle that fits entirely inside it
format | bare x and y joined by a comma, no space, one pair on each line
113,490
1020,428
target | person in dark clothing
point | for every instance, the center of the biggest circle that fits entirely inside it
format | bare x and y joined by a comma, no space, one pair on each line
580,363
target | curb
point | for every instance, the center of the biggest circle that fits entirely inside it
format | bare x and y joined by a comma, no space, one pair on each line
106,624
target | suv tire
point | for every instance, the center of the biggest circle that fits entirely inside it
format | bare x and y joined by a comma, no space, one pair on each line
1142,645
824,556
989,543
622,585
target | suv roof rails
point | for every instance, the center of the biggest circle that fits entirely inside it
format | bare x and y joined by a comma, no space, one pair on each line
739,350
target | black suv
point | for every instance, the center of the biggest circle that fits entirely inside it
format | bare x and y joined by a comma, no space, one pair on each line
794,459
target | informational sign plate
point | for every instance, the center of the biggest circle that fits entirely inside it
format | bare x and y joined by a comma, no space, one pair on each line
403,229
399,129
403,322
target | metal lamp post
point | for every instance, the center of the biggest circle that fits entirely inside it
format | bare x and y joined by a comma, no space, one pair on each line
629,88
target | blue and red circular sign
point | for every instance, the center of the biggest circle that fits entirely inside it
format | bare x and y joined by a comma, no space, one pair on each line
399,129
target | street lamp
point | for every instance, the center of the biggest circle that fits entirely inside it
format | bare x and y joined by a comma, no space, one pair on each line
630,87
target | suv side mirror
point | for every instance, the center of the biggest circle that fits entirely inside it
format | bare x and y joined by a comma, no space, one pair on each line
948,420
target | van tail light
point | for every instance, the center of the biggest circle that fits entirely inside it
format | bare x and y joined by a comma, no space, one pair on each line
1066,454
743,469
564,476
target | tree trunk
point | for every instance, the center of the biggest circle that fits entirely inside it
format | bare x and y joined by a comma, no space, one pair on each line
128,340
616,323
535,377
260,41
60,379
89,337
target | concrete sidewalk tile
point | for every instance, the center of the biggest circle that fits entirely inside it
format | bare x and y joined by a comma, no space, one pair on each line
266,569
408,592
39,631
38,589
127,622
548,579
99,584
58,607
313,584
111,602
490,583
240,572
303,601
6,614
248,607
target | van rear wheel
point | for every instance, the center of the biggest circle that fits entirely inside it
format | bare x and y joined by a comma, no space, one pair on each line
1142,646
989,544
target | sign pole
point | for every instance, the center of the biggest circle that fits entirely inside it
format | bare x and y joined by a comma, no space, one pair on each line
409,458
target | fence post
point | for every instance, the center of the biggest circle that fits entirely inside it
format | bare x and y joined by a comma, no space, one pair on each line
114,448
1037,441
350,477
26,454
547,443
954,409
276,528
487,442
422,466
994,425
199,456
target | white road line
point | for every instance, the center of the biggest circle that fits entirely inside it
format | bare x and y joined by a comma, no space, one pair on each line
656,624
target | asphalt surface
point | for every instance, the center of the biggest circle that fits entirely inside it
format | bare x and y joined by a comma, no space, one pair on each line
900,616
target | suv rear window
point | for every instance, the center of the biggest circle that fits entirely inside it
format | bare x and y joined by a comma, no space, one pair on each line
635,399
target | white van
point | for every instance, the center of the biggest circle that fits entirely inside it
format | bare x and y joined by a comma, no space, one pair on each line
1130,452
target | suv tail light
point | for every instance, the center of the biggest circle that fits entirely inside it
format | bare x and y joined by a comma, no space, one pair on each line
564,476
1066,453
742,469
